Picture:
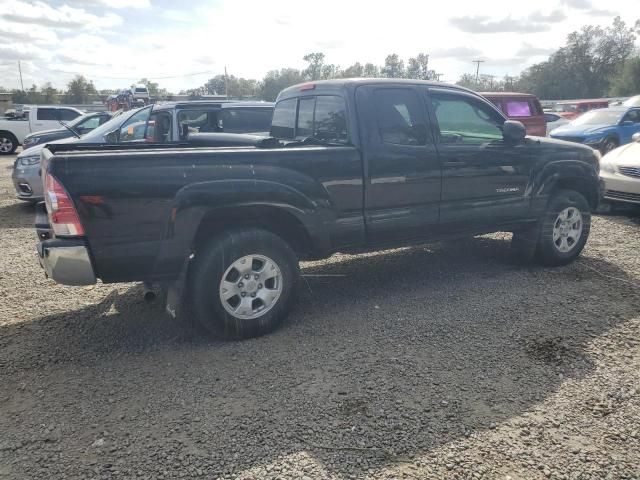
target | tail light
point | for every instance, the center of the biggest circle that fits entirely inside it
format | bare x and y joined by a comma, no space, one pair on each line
63,215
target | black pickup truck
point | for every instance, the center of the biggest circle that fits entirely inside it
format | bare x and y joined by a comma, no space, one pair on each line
351,166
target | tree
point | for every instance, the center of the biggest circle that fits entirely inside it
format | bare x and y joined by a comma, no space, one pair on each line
79,90
49,94
354,71
418,68
627,82
314,69
277,80
393,67
370,71
330,71
586,66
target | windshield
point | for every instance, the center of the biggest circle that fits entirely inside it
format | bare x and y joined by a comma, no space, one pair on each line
599,117
566,107
113,124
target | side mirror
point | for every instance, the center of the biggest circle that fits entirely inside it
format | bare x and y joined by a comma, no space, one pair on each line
513,132
636,137
112,137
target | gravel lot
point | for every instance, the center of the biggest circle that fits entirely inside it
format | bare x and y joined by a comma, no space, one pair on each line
443,361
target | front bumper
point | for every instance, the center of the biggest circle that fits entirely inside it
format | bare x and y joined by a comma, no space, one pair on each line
28,183
66,261
620,188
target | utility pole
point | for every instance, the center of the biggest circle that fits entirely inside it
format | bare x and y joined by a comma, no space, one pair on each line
226,83
477,62
20,70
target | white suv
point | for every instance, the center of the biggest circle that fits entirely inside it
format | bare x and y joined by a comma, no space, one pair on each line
140,92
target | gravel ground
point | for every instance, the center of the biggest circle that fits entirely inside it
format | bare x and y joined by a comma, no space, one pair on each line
442,361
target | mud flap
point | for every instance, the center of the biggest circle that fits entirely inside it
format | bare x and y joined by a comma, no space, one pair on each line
175,292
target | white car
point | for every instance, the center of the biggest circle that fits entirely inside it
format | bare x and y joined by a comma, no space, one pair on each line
554,121
41,117
620,171
632,102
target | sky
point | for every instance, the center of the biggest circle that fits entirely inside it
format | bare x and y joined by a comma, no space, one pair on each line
181,44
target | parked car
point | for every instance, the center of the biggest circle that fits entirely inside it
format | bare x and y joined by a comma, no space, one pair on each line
554,121
604,129
14,130
620,171
174,121
80,126
632,101
572,109
523,107
354,165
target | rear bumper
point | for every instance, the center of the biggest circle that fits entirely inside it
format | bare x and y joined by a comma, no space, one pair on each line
66,261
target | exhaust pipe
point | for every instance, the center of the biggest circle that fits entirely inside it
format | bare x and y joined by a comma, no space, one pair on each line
150,292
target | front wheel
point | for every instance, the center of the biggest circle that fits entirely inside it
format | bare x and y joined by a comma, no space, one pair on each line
242,283
608,145
564,228
8,143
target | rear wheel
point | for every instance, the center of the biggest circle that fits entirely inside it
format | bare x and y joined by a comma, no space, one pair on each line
8,143
564,229
242,283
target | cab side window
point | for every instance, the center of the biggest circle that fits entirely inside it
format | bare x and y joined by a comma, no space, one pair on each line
463,119
47,114
400,116
632,116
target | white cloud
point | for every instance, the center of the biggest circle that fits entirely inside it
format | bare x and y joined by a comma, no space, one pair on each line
251,37
116,4
63,17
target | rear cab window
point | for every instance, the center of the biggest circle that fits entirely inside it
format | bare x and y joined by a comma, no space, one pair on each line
320,116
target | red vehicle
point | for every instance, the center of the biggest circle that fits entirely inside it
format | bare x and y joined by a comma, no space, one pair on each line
523,107
572,109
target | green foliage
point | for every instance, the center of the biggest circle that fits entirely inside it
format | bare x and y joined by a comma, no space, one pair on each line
418,68
277,80
627,82
586,66
33,96
314,69
80,90
393,67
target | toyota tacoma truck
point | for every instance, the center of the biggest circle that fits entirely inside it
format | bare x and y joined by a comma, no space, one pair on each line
351,166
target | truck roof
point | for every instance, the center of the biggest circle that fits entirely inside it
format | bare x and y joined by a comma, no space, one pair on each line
339,83
210,103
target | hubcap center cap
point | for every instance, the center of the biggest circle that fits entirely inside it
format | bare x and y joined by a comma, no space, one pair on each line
251,286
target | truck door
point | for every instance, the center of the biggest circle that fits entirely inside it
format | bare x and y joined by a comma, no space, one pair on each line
403,175
629,125
483,178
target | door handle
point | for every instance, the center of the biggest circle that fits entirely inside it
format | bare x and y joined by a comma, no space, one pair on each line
455,163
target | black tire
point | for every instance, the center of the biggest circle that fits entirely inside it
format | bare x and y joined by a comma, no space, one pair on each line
8,140
548,252
610,143
211,264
